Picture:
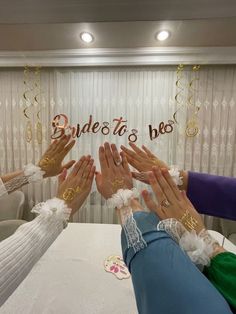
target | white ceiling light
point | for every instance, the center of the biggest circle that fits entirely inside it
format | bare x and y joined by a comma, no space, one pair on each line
163,35
86,37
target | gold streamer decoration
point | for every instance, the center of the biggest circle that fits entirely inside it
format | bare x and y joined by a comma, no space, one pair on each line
28,104
180,89
39,128
31,97
192,127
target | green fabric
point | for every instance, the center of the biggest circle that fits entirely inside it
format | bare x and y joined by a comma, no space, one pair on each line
222,274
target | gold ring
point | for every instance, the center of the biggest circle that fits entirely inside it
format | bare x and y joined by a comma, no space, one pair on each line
189,221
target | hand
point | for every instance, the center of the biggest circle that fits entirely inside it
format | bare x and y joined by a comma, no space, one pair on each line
75,187
142,160
51,161
115,173
172,203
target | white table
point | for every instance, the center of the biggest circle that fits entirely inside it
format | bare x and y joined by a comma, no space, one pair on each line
70,277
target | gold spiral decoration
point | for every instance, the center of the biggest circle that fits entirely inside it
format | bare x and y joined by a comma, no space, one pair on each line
31,99
192,127
180,89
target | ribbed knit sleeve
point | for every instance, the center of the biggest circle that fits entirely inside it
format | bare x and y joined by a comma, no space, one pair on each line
23,249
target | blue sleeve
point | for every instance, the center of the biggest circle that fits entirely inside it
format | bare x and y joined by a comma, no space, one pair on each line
165,280
213,195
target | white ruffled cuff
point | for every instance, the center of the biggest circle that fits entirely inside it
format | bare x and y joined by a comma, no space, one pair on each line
33,173
199,247
122,198
53,207
175,174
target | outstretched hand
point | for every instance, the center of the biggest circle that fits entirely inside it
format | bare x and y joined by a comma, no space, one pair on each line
51,161
76,186
115,173
142,160
172,203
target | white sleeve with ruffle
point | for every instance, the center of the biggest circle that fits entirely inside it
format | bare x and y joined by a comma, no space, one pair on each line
23,249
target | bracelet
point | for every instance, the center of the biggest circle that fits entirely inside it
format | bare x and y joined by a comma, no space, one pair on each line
53,207
121,200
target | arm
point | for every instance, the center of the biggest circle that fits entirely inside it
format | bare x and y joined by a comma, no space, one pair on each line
22,250
210,194
49,165
160,270
213,195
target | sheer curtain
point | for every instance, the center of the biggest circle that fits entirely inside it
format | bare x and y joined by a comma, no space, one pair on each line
142,96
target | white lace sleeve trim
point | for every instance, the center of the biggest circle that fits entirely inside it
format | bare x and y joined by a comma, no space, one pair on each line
33,173
53,207
199,247
121,200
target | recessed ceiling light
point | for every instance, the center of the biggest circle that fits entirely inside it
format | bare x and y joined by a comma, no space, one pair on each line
86,37
163,35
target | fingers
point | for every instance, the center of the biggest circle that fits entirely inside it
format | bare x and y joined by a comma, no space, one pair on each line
62,176
148,152
103,161
98,180
77,167
125,163
87,169
83,166
151,204
61,143
129,153
133,162
141,176
156,187
166,189
116,155
137,150
67,148
109,156
171,183
69,164
186,199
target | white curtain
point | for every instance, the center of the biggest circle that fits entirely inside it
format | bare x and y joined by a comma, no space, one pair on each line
142,96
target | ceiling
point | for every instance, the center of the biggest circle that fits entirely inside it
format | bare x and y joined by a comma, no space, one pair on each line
56,24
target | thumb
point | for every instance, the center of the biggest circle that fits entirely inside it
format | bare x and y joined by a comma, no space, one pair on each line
62,176
98,178
149,201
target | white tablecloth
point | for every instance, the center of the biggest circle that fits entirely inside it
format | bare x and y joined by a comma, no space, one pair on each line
70,277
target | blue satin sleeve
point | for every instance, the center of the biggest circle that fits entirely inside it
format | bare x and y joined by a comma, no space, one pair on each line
165,280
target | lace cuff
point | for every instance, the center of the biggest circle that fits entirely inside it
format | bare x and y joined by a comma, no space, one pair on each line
175,174
33,173
53,207
3,189
199,247
121,200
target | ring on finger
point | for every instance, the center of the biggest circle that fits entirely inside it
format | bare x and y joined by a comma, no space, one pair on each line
165,203
118,163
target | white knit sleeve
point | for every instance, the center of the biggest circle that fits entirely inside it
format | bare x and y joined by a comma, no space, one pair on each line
22,250
3,190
